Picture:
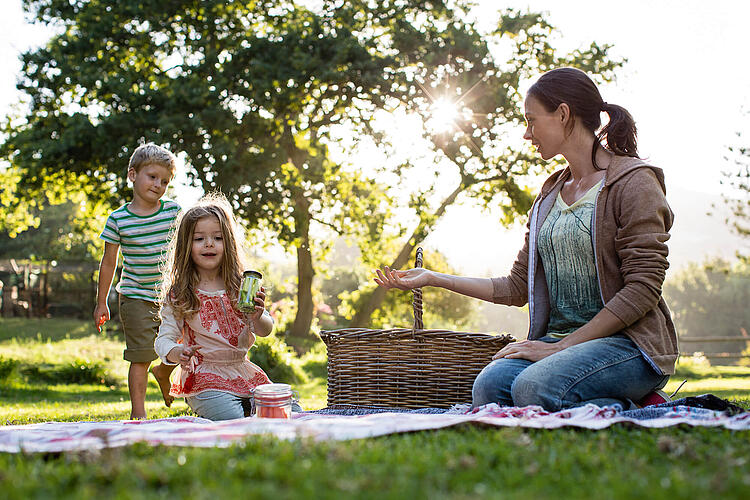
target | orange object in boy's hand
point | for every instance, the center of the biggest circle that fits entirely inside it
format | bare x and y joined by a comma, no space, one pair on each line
99,323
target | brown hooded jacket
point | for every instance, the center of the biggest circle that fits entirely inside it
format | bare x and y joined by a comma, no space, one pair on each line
631,226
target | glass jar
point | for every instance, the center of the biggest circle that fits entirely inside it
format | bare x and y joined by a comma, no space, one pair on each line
273,401
251,281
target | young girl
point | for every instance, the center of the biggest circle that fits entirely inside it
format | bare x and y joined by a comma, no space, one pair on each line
201,328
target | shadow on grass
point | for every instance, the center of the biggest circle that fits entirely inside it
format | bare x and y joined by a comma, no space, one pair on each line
53,329
18,393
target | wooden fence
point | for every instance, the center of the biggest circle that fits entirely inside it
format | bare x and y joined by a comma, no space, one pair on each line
36,289
716,355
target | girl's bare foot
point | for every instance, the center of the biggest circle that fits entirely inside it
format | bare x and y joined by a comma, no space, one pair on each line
161,373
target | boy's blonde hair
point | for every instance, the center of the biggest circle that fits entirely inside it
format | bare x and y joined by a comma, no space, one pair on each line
181,277
150,153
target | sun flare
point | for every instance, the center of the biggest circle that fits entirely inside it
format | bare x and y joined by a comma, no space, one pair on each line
443,115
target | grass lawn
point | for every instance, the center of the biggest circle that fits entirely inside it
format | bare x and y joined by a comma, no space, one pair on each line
460,462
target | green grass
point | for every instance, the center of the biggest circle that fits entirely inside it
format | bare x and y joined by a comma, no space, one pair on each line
466,462
462,462
44,348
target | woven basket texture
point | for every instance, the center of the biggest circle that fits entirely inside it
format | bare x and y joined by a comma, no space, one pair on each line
406,367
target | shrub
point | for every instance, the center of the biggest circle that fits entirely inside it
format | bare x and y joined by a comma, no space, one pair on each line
277,360
79,371
315,361
7,368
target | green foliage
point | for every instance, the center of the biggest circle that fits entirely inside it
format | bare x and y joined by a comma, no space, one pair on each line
277,360
315,361
7,368
441,308
78,371
256,93
621,462
710,300
16,214
737,179
55,221
45,381
58,235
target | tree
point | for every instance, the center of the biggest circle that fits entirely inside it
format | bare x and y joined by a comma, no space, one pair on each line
738,181
55,226
244,89
710,300
483,87
253,92
441,308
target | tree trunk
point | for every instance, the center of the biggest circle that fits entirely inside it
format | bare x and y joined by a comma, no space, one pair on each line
300,332
305,272
375,299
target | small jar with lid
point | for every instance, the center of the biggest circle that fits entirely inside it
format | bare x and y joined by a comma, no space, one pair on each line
251,282
273,401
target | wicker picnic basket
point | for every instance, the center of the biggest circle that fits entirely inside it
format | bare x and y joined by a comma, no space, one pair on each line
406,367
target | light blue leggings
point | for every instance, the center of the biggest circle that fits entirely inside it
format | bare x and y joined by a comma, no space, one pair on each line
220,405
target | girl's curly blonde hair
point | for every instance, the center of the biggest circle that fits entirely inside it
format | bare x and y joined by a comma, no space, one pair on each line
181,276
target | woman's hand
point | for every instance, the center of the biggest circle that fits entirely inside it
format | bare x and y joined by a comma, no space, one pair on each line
533,350
403,280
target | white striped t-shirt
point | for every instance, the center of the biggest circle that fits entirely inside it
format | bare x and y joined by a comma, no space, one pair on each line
143,243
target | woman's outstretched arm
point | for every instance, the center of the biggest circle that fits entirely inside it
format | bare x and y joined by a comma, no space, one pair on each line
479,288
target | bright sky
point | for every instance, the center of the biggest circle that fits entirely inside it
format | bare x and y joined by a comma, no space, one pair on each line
686,83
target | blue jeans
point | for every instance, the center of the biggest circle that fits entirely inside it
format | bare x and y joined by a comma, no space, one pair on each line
610,371
220,405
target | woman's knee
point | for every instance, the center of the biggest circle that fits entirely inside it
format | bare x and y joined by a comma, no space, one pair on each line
532,388
492,385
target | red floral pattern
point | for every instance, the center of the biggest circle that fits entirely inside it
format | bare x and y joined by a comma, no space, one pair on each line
215,328
218,316
190,334
195,383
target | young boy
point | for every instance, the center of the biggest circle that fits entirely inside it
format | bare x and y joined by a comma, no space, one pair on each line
141,229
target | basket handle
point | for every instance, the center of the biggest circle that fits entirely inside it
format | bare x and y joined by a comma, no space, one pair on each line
417,300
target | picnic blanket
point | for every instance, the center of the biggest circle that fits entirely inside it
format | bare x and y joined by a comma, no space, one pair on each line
354,423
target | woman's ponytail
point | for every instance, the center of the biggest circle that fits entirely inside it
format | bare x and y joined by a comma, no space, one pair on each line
620,134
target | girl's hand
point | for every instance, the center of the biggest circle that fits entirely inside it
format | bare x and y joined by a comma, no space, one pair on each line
403,280
533,350
186,354
260,304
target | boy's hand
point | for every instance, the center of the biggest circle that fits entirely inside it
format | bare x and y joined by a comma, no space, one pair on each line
101,316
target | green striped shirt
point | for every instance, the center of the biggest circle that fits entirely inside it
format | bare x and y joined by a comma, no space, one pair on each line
143,242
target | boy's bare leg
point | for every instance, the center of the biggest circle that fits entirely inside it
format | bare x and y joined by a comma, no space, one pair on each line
161,373
137,380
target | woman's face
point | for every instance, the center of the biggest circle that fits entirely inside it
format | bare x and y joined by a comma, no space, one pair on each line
545,130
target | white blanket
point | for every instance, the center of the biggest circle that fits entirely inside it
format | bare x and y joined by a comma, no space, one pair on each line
193,431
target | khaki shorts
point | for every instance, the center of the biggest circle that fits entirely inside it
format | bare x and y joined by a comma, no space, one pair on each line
140,322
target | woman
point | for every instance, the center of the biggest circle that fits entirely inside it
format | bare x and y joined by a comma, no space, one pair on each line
591,268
